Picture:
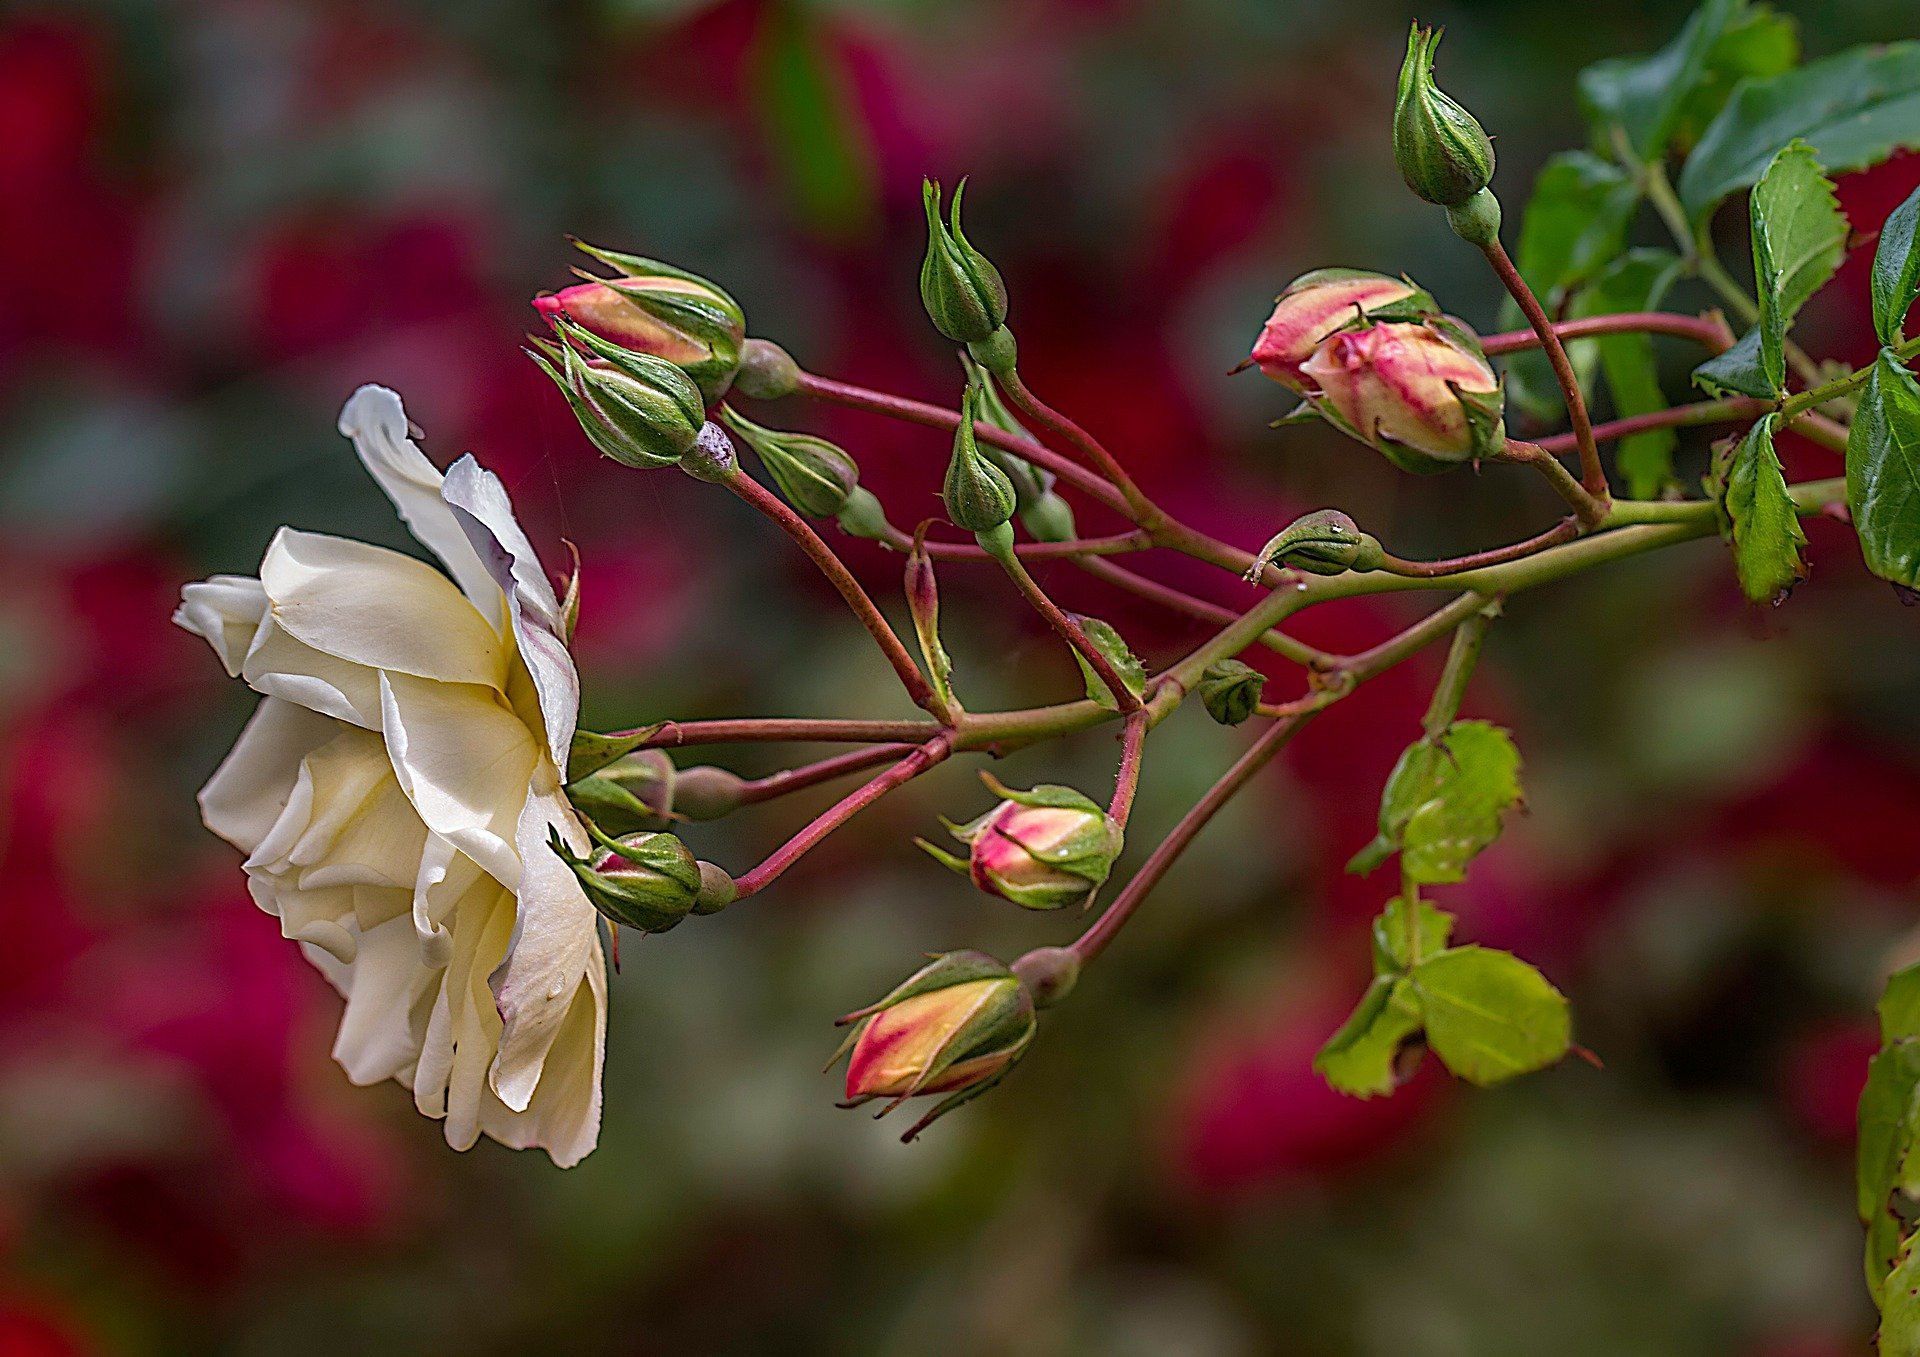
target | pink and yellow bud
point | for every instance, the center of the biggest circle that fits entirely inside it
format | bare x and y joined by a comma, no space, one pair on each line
658,310
1322,303
953,1027
1421,393
1042,849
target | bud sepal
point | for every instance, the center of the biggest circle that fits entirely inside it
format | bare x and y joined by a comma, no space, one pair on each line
639,410
978,495
1230,690
1442,151
817,477
1324,542
961,289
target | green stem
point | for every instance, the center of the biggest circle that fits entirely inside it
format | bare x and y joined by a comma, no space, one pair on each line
1468,638
1842,386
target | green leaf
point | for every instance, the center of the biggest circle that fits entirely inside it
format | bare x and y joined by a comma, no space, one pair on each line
1637,281
1645,96
1799,238
589,752
1758,44
1854,109
1489,1015
1896,270
1391,941
1737,372
1443,801
1899,1006
1766,528
1125,663
1900,1305
1886,1136
1883,472
1361,1056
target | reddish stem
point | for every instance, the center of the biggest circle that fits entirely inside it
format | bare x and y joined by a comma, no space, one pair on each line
937,417
1126,781
1592,477
842,579
1564,531
1199,609
1094,941
1069,630
789,780
915,763
1731,410
1117,545
780,729
1708,333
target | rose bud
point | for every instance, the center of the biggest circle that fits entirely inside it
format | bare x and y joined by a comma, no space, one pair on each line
1324,542
955,1027
1042,849
633,792
864,516
1423,394
817,477
647,881
1443,153
639,410
656,309
1230,690
961,289
978,495
1321,303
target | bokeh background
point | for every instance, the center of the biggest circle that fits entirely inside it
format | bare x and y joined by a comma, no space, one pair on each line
219,216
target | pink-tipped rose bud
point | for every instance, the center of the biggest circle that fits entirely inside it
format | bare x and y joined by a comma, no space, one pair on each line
955,1026
656,309
1324,302
1422,393
1042,849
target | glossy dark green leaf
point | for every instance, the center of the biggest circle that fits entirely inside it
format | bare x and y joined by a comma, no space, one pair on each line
1766,528
1758,44
1883,472
1896,270
1361,1057
1886,1135
1799,238
1900,1305
1645,96
1489,1015
1899,1007
1854,109
1737,372
1392,936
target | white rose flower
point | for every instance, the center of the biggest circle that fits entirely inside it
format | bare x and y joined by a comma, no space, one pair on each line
396,789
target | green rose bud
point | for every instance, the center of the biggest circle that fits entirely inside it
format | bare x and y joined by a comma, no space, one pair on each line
633,792
962,290
1442,152
647,881
639,410
1230,691
979,495
1324,542
863,516
817,477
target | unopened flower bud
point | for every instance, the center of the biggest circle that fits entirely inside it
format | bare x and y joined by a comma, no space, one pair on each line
1049,519
1443,153
1324,542
962,290
633,792
816,476
639,410
978,495
1042,849
1230,690
863,516
954,1027
1043,513
1423,394
704,792
646,881
1324,302
657,309
767,371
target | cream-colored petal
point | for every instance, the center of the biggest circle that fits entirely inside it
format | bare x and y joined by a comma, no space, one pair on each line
278,665
375,607
555,943
375,420
225,610
388,996
464,760
481,506
564,1115
249,790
